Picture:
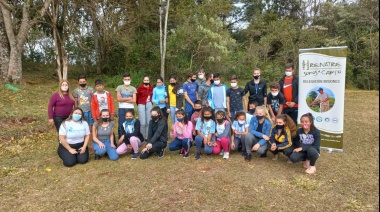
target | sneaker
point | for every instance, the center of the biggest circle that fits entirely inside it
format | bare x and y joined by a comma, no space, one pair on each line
311,170
243,153
248,157
134,156
264,155
181,151
197,156
97,157
186,154
226,155
162,153
221,153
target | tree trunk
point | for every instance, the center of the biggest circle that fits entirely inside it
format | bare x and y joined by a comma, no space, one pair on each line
161,44
4,49
164,42
96,41
57,52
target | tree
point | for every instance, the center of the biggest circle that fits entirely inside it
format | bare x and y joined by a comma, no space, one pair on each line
4,49
17,31
163,34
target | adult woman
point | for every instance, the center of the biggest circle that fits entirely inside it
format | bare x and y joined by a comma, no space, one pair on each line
307,144
157,135
60,105
144,104
175,97
74,134
160,97
103,136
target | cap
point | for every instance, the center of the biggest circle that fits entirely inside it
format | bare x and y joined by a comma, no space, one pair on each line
320,89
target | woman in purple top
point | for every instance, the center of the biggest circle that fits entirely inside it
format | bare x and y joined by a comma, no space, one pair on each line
61,104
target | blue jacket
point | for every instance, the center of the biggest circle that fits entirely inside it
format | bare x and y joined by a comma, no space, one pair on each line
210,98
159,94
266,129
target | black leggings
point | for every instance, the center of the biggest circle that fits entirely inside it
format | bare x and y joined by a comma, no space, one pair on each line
58,121
156,147
288,151
72,159
310,154
166,115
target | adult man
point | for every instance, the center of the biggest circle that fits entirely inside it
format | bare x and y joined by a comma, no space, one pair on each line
289,88
201,77
323,97
257,89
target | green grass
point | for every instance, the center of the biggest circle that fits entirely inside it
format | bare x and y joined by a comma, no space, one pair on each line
32,176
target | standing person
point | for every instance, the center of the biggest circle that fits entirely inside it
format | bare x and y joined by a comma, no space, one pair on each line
190,92
182,134
201,77
205,132
103,136
217,94
144,104
289,88
323,97
204,89
60,105
283,130
222,135
276,101
259,132
101,99
196,115
307,144
236,100
160,97
74,134
257,88
240,128
157,135
132,138
126,96
175,97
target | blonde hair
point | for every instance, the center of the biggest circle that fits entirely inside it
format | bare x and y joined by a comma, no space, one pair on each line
68,90
265,111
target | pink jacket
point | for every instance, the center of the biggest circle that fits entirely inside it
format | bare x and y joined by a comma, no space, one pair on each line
187,133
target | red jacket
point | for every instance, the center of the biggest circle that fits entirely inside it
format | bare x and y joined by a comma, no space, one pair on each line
95,105
143,93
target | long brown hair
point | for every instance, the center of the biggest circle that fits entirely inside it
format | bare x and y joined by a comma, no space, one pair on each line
289,123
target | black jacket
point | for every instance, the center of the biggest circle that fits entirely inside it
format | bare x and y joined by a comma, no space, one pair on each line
294,88
256,95
158,131
135,133
179,96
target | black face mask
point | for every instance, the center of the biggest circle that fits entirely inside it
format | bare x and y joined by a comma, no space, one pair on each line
259,117
220,120
154,118
83,85
256,77
193,80
207,117
212,81
146,83
198,109
105,119
252,111
280,127
173,83
129,119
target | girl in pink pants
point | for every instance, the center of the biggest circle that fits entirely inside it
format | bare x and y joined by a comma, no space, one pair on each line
222,135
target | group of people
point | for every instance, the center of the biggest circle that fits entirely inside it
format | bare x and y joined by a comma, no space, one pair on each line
204,112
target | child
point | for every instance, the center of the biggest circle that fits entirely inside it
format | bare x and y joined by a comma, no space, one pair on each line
175,97
103,136
182,132
251,110
281,136
240,128
217,94
307,144
83,96
157,135
205,129
222,135
205,88
101,100
276,100
131,135
160,97
190,92
196,115
235,98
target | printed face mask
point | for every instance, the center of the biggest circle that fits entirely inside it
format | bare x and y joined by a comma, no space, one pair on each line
306,126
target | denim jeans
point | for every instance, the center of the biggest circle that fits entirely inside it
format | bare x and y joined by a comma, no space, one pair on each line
111,152
173,109
178,144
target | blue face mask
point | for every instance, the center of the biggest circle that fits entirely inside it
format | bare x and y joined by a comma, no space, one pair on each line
180,120
77,117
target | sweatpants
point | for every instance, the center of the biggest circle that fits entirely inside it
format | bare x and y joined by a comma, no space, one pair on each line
310,154
287,152
111,152
69,159
241,141
156,147
144,117
223,143
135,143
251,140
178,144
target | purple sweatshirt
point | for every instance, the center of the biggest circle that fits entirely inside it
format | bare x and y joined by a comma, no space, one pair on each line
60,107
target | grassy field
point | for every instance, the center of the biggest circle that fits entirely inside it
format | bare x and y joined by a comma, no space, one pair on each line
33,178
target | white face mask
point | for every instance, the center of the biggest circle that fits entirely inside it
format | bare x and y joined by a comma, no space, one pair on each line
233,84
201,76
64,88
288,73
216,82
274,93
127,82
241,122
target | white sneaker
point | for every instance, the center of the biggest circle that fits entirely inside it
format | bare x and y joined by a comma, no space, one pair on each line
226,155
221,152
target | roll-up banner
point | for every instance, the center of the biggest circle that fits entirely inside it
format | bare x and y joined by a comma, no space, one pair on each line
322,78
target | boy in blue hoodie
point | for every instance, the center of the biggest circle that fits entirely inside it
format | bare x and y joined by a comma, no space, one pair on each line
217,96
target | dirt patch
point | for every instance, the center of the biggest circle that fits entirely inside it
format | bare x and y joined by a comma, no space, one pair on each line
16,122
